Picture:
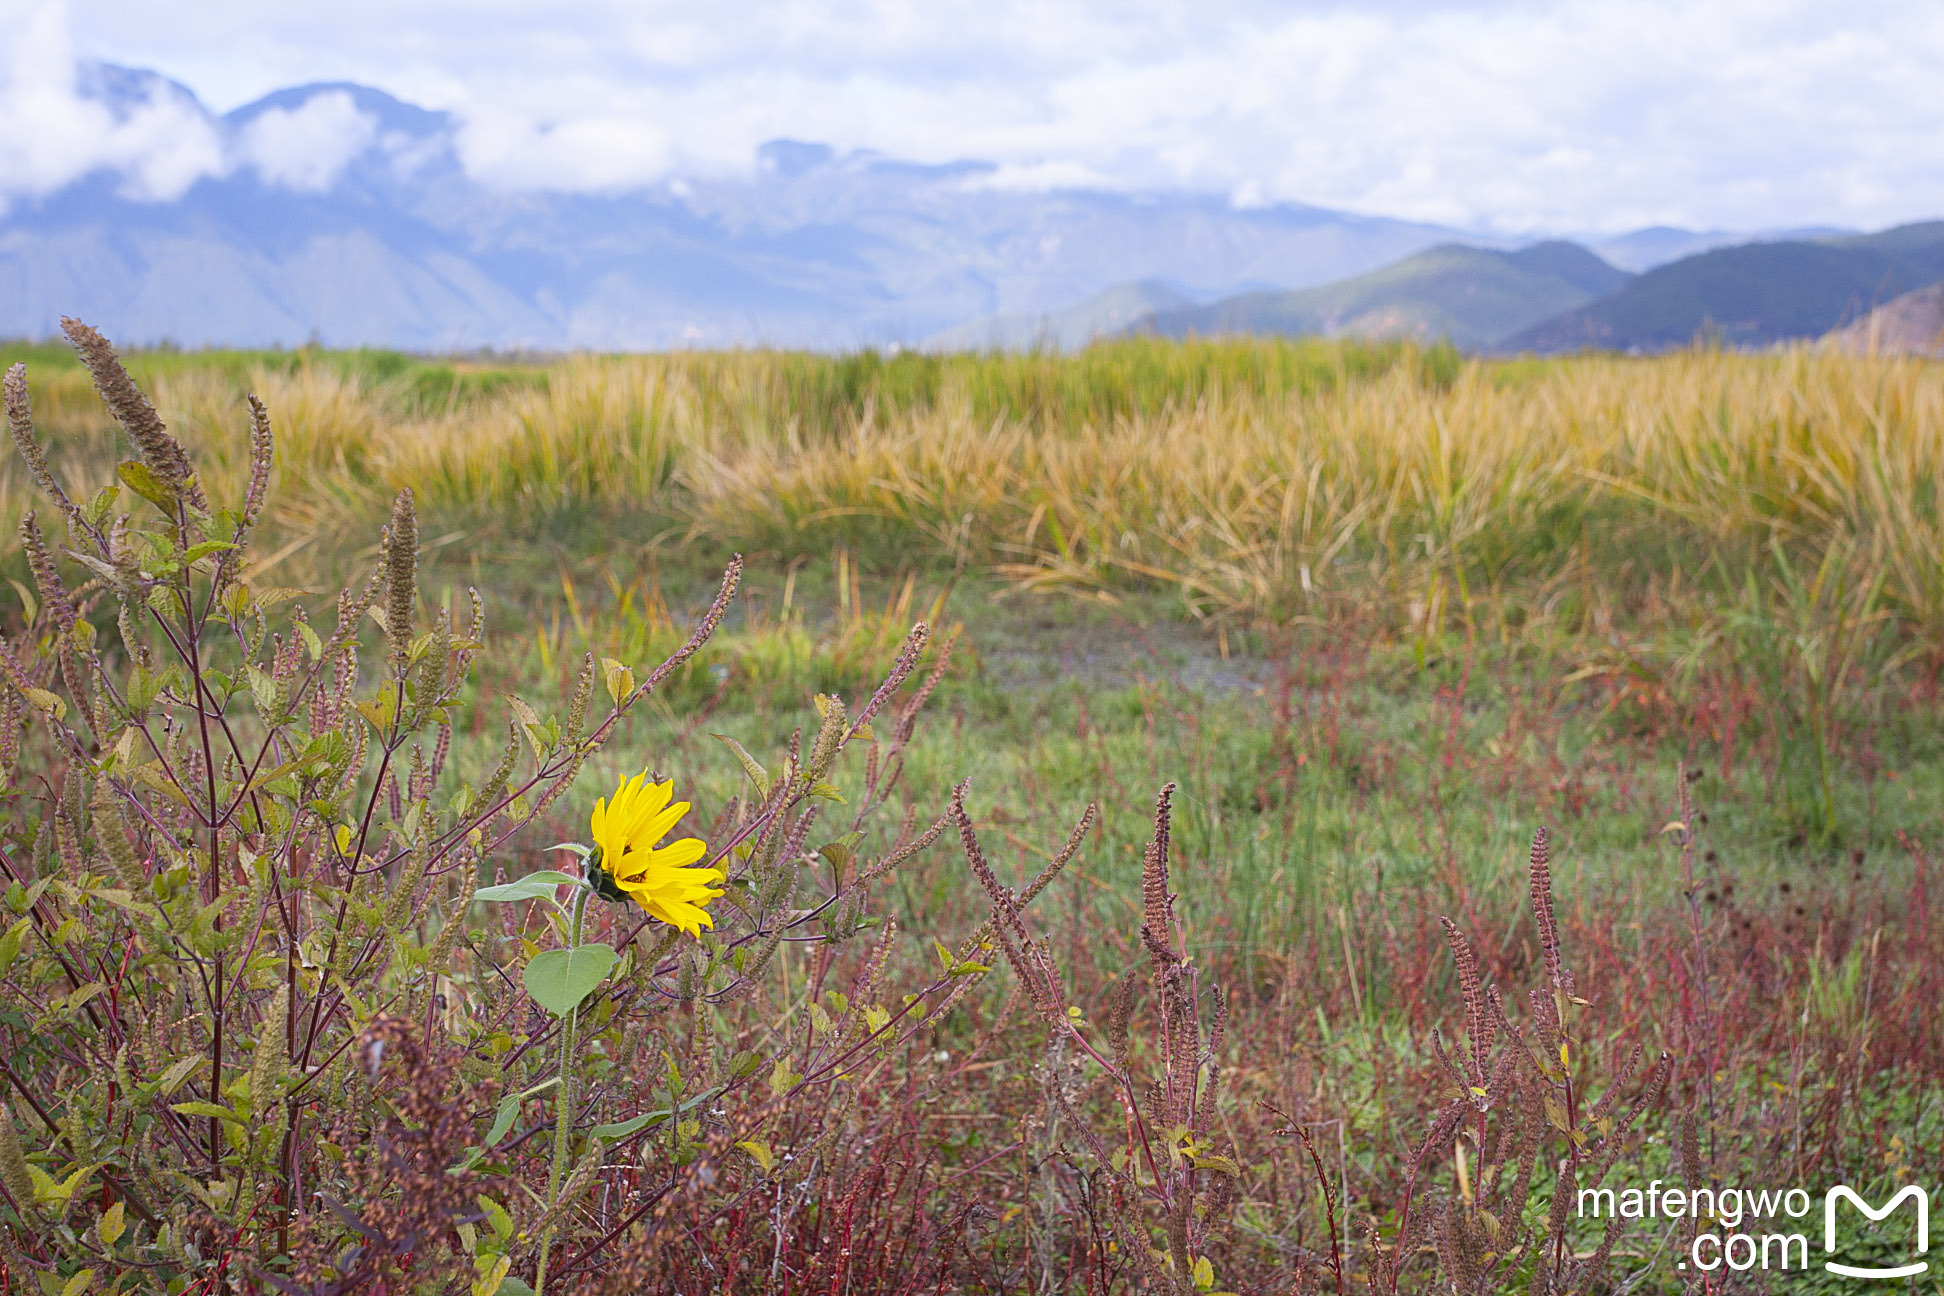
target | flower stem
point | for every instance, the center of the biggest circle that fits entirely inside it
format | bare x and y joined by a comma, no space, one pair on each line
563,1101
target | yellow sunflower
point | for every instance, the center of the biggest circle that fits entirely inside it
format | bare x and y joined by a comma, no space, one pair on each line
658,878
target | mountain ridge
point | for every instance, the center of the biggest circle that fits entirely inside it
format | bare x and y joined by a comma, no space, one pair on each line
1754,294
388,241
338,213
1467,295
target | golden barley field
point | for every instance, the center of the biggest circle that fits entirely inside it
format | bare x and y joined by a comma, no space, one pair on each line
1259,480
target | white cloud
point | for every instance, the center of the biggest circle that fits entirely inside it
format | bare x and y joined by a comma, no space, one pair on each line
304,148
605,149
1038,177
1516,114
50,134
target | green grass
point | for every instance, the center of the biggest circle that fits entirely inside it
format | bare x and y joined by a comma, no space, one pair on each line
1314,767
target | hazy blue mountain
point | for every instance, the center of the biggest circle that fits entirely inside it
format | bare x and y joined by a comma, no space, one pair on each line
395,245
1100,316
1468,295
1643,249
1750,295
342,214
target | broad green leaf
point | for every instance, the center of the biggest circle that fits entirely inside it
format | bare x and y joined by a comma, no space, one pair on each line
530,887
263,691
206,548
503,1118
139,479
497,1217
1219,1164
621,1129
42,700
491,1282
172,1078
782,1079
620,680
272,775
10,943
109,1227
761,1152
559,979
204,1109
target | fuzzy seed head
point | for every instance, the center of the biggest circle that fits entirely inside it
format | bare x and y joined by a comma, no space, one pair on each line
160,451
401,577
13,1163
1542,909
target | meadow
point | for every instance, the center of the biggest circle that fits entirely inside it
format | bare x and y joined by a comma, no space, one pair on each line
1374,615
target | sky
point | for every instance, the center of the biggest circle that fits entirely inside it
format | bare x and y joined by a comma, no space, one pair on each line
1507,117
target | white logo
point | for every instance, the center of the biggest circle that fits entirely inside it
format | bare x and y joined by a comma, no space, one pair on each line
1842,1192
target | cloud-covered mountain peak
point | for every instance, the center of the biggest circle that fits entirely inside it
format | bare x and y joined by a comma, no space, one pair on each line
338,212
126,91
307,137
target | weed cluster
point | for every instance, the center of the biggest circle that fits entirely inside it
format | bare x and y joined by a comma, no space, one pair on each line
286,1004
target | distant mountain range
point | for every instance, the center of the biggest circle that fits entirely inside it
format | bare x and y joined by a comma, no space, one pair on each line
1749,296
342,215
1551,297
391,243
1467,295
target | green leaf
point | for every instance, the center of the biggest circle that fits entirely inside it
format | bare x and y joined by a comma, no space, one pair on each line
842,851
1219,1164
109,1227
27,599
510,1286
263,691
139,479
559,979
503,1118
757,774
529,725
497,1217
46,702
380,711
782,1079
204,1109
206,548
492,1274
620,680
531,887
272,775
172,1078
99,504
621,1129
760,1151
